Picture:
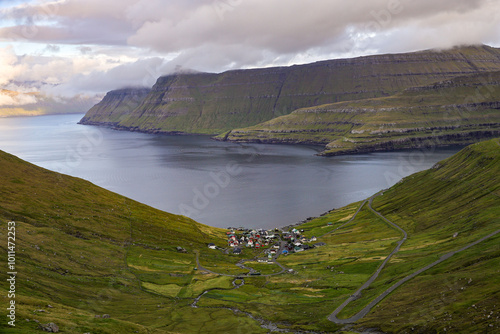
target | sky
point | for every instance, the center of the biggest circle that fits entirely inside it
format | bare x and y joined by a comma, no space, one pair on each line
64,48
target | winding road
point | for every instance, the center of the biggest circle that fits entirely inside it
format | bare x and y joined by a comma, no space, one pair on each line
347,222
333,317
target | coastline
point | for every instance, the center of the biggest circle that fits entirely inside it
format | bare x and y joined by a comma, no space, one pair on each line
424,143
308,219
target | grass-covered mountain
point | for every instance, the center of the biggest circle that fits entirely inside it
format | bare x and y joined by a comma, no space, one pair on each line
82,252
443,209
86,251
217,103
116,106
460,110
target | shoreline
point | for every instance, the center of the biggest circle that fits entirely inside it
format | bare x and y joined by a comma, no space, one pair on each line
287,226
308,219
320,148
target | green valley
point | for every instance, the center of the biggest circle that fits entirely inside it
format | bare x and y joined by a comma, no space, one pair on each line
91,261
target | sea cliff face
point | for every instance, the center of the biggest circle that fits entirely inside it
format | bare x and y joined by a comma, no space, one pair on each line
216,103
115,106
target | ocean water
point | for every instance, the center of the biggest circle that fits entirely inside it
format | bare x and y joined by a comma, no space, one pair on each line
216,183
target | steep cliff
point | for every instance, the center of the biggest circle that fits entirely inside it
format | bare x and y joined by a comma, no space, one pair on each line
216,103
115,106
456,111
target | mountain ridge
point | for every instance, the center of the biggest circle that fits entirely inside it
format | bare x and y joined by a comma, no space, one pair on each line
210,103
456,111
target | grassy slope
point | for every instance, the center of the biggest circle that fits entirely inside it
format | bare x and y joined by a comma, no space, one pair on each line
87,251
216,103
443,209
456,111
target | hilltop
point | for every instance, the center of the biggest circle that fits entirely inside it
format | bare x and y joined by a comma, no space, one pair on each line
83,252
216,103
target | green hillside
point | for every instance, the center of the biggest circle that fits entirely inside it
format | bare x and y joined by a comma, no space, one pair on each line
86,251
216,103
442,210
461,110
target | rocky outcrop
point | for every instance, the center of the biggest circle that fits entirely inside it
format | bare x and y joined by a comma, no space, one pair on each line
419,142
50,327
216,103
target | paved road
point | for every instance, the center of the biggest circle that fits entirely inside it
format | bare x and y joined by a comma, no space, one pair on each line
200,267
333,317
367,309
347,222
357,294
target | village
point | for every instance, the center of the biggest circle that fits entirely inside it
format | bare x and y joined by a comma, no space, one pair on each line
274,242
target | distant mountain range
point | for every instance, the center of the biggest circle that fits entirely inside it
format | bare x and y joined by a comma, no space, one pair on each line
14,103
395,94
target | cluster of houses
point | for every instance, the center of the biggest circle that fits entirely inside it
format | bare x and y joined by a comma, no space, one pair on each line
251,238
297,242
271,252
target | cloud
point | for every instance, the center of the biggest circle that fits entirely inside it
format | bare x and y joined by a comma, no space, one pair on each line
141,73
10,68
68,22
10,98
120,43
85,49
260,28
279,27
52,48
